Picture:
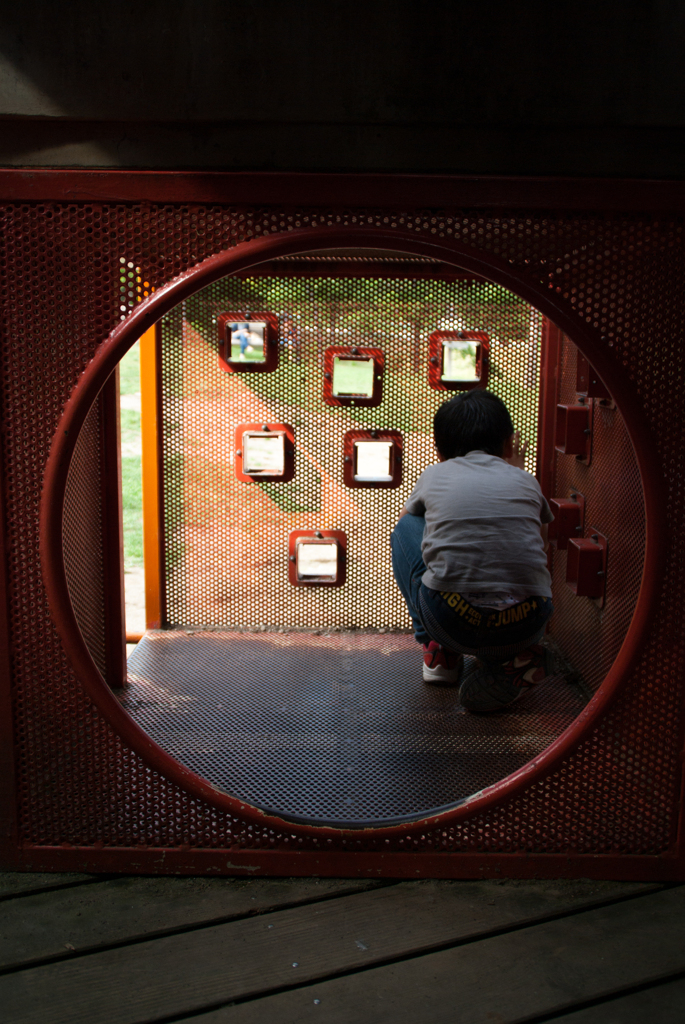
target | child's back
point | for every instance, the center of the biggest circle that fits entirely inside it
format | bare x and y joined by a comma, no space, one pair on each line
469,556
482,531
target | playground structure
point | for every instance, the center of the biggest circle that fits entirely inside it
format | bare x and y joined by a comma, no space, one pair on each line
121,777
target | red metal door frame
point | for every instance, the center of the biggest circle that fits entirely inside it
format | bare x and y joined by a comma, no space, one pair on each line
240,258
378,190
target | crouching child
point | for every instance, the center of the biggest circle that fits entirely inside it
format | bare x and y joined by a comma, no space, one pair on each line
469,556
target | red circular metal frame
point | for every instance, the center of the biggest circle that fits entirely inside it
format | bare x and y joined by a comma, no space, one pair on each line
240,258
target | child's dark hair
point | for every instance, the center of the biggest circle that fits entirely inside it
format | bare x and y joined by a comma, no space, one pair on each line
472,421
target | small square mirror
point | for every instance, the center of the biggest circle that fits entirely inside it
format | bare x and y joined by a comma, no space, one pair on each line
352,378
264,454
373,461
317,560
459,359
247,341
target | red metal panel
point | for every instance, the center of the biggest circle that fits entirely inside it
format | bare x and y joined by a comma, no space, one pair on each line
587,381
8,793
340,192
586,566
573,430
112,535
549,389
64,441
85,559
331,861
605,798
569,519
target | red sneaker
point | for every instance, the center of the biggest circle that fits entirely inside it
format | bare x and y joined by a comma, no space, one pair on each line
441,667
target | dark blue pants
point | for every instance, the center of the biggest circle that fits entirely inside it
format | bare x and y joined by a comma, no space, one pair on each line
452,621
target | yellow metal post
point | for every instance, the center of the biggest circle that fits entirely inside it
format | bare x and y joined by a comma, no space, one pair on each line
152,504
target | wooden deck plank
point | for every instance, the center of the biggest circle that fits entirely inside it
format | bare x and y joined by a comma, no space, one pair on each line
14,883
529,973
663,1004
57,923
196,970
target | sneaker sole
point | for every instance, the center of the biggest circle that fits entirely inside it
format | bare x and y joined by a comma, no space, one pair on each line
442,676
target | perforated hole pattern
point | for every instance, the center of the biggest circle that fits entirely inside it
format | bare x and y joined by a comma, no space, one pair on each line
227,542
331,727
620,276
83,538
614,506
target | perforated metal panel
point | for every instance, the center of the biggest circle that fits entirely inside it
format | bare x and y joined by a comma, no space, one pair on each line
227,542
614,505
83,556
620,276
335,728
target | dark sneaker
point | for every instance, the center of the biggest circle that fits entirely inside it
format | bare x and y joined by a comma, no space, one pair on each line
530,666
441,667
494,687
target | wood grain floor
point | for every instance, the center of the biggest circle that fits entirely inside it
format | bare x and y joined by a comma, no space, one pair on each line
132,950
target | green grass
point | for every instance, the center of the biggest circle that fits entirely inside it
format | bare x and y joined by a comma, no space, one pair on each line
132,488
129,371
256,355
130,426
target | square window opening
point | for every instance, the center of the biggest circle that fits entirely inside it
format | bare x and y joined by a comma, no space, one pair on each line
373,461
353,378
460,360
264,454
248,341
317,561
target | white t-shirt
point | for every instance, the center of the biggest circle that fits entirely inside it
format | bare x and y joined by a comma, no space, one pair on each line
482,532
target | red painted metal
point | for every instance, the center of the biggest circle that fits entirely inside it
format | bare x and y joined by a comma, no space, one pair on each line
352,353
283,430
328,862
573,433
396,191
497,820
9,833
317,537
113,535
271,347
408,269
435,360
587,381
241,257
550,347
396,457
569,519
586,566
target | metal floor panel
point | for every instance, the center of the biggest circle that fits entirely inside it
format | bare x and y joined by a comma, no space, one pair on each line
330,729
